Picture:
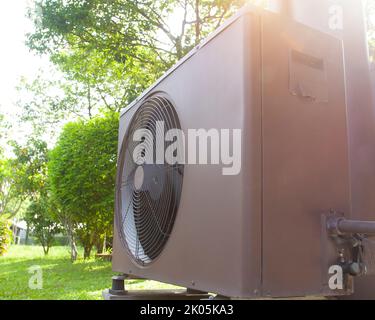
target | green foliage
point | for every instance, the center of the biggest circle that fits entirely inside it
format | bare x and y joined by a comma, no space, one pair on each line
82,170
107,83
30,162
110,51
10,198
42,225
30,180
47,101
5,235
4,128
123,29
85,84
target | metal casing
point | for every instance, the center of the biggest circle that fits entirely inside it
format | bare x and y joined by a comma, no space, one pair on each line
258,233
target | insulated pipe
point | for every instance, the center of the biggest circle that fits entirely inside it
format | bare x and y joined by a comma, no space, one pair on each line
342,226
355,226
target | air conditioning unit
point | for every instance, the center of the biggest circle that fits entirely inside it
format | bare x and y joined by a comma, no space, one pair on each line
254,228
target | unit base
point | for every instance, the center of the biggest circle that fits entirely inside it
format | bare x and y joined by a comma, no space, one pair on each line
156,295
118,292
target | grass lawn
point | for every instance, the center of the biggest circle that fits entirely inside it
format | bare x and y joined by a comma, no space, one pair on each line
62,280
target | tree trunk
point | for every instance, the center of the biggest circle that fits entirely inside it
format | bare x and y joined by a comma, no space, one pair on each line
179,50
89,100
197,23
73,249
73,246
105,243
100,244
87,251
99,247
46,249
14,230
27,235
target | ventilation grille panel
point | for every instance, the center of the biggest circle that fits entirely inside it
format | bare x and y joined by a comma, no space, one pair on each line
148,195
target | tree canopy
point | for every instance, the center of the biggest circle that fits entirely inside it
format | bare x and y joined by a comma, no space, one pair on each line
39,216
110,51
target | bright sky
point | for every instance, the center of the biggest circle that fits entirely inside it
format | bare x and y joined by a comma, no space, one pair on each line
15,58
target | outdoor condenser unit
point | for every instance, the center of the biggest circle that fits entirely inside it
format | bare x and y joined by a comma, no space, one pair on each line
278,227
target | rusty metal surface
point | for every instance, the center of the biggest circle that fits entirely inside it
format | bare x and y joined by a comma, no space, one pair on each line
368,257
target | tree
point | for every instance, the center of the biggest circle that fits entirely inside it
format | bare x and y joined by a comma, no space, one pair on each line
110,51
123,28
10,202
31,183
5,235
10,198
82,171
40,219
48,100
68,221
85,85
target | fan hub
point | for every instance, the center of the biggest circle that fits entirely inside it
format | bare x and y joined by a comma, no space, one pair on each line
153,181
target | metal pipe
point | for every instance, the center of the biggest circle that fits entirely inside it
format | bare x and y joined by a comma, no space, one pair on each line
342,226
354,226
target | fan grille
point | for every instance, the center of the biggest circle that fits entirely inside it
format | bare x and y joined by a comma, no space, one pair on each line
148,195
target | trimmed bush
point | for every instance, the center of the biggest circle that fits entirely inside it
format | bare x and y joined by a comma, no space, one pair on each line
5,236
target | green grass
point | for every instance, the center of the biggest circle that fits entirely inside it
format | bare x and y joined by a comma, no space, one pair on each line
62,280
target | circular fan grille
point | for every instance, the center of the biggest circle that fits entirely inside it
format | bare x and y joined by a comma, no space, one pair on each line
148,194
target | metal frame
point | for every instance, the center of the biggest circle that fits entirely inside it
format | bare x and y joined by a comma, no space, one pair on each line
119,292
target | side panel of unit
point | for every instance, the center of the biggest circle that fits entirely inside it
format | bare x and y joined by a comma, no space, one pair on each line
361,107
305,154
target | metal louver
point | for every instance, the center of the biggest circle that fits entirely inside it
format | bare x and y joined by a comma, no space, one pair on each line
148,194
